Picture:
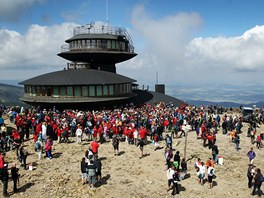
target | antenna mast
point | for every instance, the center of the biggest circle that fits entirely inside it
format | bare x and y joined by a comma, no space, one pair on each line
107,21
157,78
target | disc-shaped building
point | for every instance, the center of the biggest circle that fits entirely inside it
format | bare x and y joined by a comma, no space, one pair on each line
90,78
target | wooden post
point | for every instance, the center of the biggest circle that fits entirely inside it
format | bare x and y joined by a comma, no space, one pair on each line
185,145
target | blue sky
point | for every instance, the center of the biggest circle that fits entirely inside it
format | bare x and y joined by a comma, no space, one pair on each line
192,42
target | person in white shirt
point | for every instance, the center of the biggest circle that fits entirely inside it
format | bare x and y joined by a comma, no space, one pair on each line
44,131
135,134
170,173
201,173
79,134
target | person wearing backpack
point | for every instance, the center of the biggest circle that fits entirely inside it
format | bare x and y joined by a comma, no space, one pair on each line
91,169
258,178
38,147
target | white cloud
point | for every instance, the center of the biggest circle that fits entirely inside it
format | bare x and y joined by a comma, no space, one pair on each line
164,41
167,46
241,53
10,10
35,51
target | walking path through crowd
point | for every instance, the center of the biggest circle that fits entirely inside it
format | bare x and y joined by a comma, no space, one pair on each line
129,152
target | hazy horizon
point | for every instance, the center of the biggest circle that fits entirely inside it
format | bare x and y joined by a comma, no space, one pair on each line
250,93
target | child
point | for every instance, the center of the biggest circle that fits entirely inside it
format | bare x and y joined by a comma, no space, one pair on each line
83,170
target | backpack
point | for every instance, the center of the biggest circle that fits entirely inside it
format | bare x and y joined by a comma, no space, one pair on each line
37,146
168,140
261,179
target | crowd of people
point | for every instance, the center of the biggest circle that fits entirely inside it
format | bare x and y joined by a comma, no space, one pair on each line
133,125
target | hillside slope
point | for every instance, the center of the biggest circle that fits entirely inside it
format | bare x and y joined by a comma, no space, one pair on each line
9,94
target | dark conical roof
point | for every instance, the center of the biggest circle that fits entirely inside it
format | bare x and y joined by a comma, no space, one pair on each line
78,77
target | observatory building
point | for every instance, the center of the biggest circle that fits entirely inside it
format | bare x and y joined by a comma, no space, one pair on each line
89,80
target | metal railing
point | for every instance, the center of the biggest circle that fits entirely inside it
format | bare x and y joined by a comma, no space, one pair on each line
92,29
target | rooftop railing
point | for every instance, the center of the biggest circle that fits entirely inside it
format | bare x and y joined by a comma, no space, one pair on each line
92,29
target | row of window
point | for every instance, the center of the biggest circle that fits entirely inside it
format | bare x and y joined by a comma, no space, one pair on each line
100,44
78,91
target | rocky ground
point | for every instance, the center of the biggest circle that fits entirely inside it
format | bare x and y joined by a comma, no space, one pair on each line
128,176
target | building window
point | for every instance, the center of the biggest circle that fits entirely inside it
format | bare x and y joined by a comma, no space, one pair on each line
99,45
99,90
33,89
121,89
83,43
123,46
91,91
43,91
84,91
93,43
49,91
69,91
62,91
104,44
113,44
109,44
117,89
79,44
55,91
105,90
77,91
88,44
111,90
38,90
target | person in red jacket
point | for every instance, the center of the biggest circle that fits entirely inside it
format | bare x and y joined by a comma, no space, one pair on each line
15,134
143,133
2,161
210,138
95,146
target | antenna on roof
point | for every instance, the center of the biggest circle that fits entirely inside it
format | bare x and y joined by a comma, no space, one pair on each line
107,21
157,78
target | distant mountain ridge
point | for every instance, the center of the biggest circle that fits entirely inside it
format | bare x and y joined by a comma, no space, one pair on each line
198,103
10,94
